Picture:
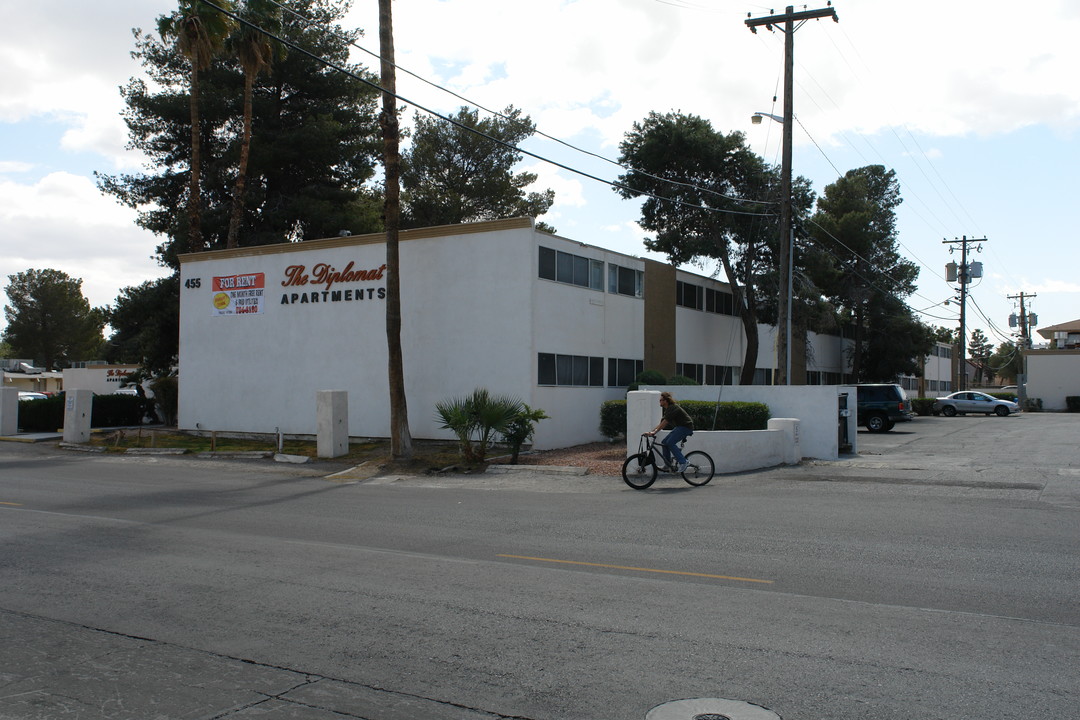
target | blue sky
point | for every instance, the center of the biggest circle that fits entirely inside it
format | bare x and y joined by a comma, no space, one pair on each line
974,105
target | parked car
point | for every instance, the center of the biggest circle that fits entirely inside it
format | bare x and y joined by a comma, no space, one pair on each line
882,405
31,395
970,401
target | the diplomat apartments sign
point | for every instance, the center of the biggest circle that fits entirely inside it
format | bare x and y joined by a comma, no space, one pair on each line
245,293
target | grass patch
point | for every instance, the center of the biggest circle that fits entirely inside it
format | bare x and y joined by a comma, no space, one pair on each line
427,454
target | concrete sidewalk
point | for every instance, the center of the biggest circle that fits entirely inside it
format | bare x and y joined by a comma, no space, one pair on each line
31,437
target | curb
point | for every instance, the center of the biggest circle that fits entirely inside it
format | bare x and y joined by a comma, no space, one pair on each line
528,469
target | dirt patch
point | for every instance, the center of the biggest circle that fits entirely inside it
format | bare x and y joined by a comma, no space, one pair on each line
600,458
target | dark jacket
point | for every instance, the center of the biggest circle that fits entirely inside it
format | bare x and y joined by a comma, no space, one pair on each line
675,416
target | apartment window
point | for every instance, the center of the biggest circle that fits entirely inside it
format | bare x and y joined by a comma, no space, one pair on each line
623,372
763,376
720,374
691,370
689,295
570,370
571,269
720,302
625,281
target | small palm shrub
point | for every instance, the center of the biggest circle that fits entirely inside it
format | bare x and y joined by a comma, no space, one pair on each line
521,429
477,420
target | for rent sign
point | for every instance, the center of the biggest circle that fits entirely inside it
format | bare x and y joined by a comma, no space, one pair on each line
238,294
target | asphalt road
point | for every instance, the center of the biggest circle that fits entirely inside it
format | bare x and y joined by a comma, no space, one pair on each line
934,575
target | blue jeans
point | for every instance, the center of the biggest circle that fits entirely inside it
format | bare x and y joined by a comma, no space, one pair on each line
670,445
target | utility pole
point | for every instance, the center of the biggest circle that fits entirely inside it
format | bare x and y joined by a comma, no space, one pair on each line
1025,319
1024,344
963,274
786,24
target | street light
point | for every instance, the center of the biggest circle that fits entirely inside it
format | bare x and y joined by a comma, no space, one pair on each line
756,117
787,240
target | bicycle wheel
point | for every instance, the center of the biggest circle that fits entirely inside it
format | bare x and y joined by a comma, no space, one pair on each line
639,471
699,468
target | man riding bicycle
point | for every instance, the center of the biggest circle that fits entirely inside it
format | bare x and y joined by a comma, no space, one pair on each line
681,427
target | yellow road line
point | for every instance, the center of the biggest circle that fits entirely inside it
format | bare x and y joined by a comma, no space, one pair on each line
636,569
12,504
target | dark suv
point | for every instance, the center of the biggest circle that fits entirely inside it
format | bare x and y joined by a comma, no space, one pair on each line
883,405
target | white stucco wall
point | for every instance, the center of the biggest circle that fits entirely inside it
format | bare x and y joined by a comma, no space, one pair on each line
816,406
475,313
1052,376
465,301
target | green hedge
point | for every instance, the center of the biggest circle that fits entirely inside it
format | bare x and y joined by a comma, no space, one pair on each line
117,410
732,415
47,414
44,415
1072,402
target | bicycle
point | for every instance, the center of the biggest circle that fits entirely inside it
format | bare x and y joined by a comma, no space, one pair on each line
640,470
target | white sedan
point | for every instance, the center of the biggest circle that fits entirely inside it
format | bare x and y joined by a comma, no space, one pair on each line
31,395
974,402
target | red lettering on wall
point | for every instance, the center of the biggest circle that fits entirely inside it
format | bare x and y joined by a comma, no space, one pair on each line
294,275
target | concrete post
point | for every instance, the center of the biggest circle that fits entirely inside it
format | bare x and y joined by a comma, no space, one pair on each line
9,411
332,423
78,404
792,450
642,415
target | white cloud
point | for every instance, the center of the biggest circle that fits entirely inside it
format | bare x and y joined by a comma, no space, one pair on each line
11,167
1057,286
63,222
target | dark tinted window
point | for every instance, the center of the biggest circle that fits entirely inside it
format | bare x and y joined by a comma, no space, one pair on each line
546,373
547,263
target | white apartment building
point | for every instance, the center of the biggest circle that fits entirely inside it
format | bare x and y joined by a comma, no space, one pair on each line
561,324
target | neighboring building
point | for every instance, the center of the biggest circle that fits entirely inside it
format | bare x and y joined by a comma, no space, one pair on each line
560,324
937,373
23,375
1052,376
98,376
1065,336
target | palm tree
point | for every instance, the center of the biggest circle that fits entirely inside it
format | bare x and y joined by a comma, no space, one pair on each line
400,436
255,51
199,32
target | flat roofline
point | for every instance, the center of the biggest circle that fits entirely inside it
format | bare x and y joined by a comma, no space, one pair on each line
354,240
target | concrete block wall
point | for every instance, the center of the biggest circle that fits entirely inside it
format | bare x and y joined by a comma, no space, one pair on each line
731,450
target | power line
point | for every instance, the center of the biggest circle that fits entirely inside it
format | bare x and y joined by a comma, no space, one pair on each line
496,113
433,113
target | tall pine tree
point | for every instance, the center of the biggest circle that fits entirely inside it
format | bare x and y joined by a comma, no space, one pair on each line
317,129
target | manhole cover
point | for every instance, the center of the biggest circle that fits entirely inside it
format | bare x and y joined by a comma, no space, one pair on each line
710,709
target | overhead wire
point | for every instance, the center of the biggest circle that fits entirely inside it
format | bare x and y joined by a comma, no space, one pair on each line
496,113
536,156
920,159
452,121
908,190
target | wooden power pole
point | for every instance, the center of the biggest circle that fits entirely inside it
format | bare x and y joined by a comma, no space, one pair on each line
964,275
786,23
